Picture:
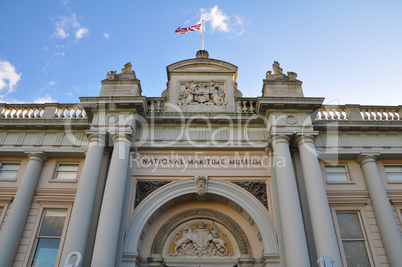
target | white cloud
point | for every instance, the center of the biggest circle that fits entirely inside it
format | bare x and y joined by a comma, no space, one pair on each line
60,54
44,99
217,18
45,48
52,83
8,73
241,32
70,94
106,35
66,25
239,21
82,32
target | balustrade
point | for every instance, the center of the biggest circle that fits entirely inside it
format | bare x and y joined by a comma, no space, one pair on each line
156,105
42,111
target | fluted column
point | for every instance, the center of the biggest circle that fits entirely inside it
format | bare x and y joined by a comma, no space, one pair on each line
321,220
81,216
11,233
389,230
294,237
107,234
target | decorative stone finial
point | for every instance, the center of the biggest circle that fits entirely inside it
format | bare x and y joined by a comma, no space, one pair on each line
281,84
126,73
276,67
127,68
202,54
121,84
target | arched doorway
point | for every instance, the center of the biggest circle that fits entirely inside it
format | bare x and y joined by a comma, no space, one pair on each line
228,227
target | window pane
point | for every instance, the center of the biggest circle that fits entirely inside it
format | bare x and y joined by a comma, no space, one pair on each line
46,252
67,171
9,170
349,226
356,253
337,177
394,176
53,223
335,169
10,166
66,175
393,169
1,210
8,174
68,167
394,173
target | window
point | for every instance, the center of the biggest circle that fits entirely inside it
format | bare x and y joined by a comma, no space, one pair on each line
394,172
48,238
9,170
353,239
66,171
336,173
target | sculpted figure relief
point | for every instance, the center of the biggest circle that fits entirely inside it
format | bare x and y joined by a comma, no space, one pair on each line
202,93
200,242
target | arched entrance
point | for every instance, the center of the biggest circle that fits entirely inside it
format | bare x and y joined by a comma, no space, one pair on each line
170,226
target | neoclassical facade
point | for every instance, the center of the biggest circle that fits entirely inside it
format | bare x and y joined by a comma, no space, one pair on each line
200,176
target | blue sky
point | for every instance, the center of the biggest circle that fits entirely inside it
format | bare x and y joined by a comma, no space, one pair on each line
349,52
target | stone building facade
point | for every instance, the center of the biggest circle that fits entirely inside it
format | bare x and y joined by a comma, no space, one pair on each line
200,176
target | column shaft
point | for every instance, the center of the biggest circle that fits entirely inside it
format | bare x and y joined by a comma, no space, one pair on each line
291,218
321,220
389,230
80,221
107,235
14,226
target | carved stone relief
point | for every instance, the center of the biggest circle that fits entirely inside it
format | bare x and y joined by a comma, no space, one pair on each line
202,94
144,188
176,224
201,184
200,241
258,189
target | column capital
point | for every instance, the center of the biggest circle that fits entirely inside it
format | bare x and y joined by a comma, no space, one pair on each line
96,138
366,158
308,138
37,155
276,139
126,137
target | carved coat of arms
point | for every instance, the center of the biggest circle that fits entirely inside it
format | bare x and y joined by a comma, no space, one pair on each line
200,242
202,93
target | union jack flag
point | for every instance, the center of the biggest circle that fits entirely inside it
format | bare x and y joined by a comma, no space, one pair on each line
194,28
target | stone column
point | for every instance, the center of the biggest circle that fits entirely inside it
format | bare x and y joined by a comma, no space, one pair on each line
14,226
389,230
294,237
321,220
80,221
107,235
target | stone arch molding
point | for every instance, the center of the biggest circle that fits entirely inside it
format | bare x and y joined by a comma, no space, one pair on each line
154,201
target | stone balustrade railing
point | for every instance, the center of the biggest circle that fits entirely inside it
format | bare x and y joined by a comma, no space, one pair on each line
42,111
243,105
156,104
246,105
70,112
359,113
22,111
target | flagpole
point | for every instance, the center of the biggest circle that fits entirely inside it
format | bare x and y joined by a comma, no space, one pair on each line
202,35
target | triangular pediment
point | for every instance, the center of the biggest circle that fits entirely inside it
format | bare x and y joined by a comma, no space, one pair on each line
201,65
